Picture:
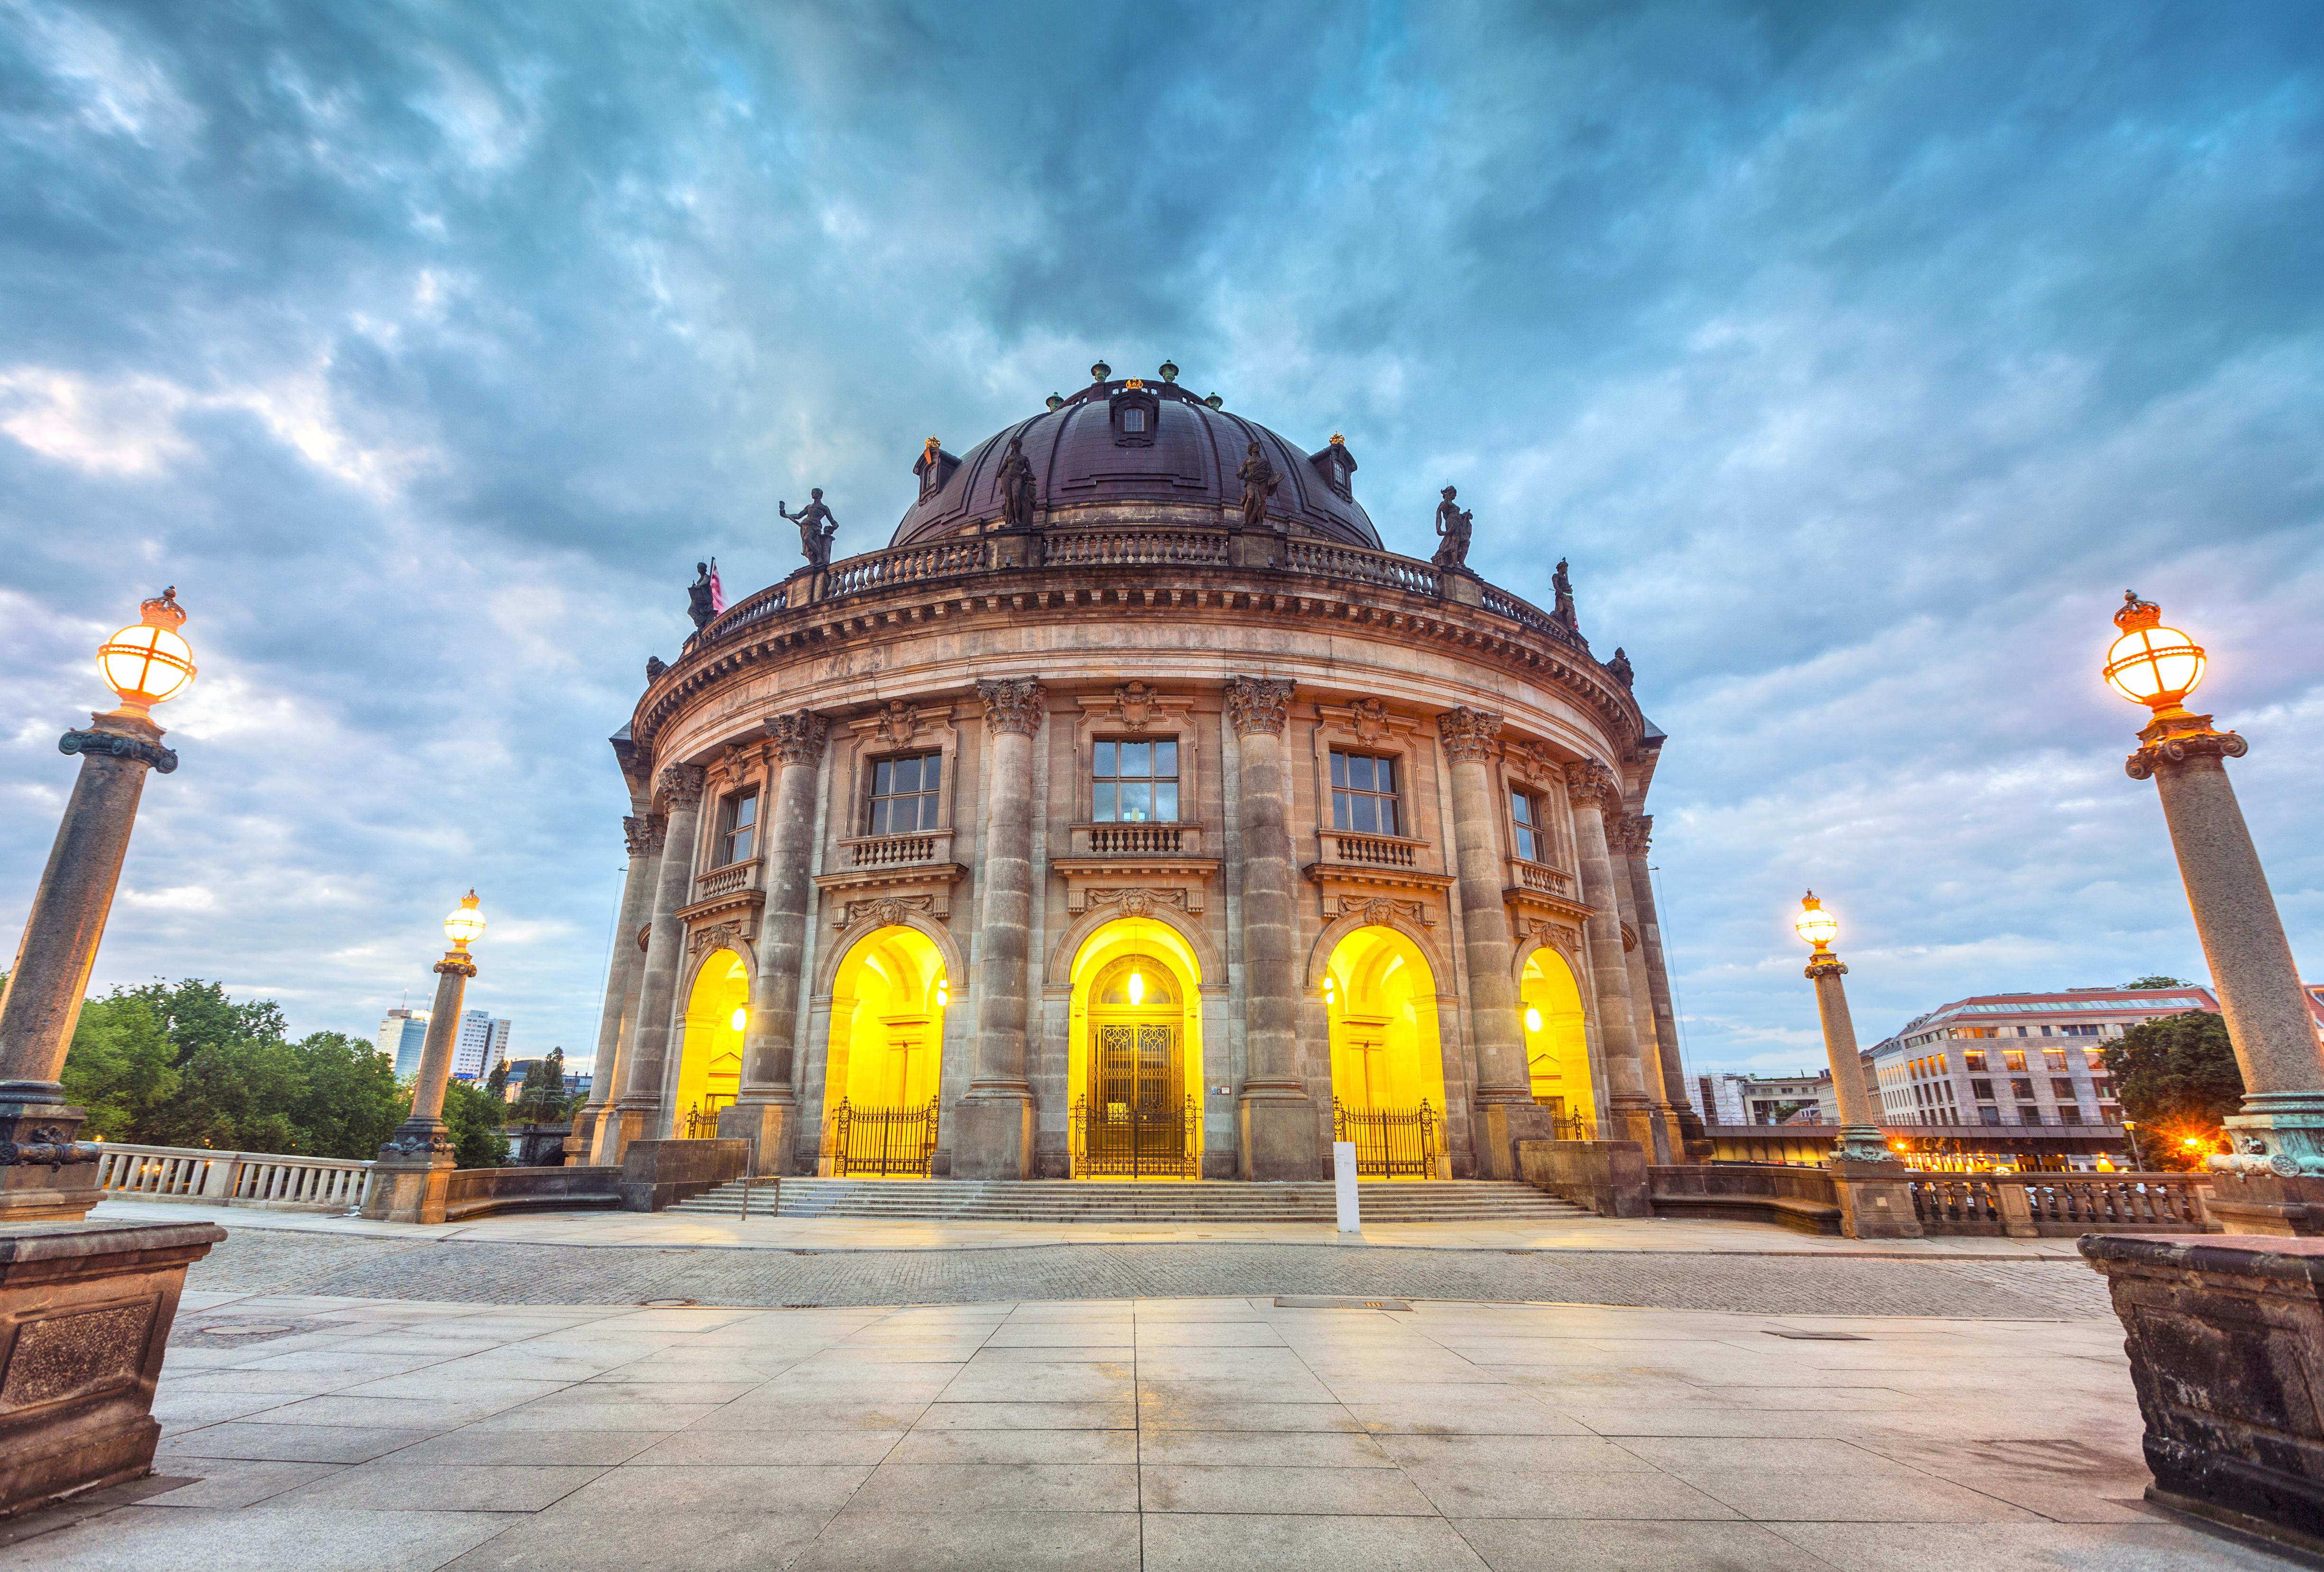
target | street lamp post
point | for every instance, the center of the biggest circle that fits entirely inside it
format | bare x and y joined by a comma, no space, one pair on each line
2138,1159
1874,1190
2280,1131
45,1174
412,1178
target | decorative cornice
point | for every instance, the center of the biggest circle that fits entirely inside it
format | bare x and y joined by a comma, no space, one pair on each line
1256,704
1633,836
1589,784
644,833
1470,735
151,754
1013,704
2180,739
798,736
680,784
455,962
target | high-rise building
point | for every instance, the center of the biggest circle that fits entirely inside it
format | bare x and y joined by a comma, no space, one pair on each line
483,1043
402,1036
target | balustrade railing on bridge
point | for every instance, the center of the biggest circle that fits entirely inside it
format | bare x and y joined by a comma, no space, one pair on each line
274,1180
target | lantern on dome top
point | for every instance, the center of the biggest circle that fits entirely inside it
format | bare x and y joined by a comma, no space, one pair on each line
1815,925
2151,664
148,661
465,925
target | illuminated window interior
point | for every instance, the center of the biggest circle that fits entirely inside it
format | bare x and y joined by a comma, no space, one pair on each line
710,1070
1381,997
886,1022
1557,1048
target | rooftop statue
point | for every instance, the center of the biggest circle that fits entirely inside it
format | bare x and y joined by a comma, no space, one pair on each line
697,596
817,526
1259,482
1619,667
1017,499
1454,524
1563,610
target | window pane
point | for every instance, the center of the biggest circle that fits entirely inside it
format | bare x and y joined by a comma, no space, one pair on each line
879,822
1386,773
931,771
1136,802
1525,844
1166,759
1521,807
1339,769
1104,808
1339,802
1166,801
1387,816
1136,757
882,773
1360,772
1367,813
907,777
746,810
738,846
1104,764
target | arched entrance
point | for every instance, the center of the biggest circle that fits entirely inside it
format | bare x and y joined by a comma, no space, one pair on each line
1134,1080
1557,1041
710,1061
1387,1066
884,1068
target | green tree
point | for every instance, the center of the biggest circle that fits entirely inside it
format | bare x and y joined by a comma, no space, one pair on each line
237,1094
350,1102
497,1085
121,1065
2157,979
541,1099
199,1015
2178,1077
474,1123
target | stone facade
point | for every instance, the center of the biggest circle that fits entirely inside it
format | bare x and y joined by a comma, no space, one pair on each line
1019,669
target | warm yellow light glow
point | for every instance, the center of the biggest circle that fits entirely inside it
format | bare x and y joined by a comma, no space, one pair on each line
2191,1141
464,926
148,662
1816,925
2105,1165
2150,664
740,1016
1137,988
944,993
1329,994
1533,1019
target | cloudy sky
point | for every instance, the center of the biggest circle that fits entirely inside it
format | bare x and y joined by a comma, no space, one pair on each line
1857,356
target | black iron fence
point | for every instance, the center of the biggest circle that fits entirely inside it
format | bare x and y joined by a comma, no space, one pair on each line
882,1143
1390,1143
1123,1140
700,1122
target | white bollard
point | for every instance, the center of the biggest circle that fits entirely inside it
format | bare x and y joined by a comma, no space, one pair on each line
1343,1185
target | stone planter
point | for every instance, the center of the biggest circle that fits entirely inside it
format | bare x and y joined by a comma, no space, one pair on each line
85,1312
2225,1339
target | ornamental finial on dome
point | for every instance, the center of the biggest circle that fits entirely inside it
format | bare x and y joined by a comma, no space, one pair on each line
163,611
1100,372
1169,371
2137,614
1055,403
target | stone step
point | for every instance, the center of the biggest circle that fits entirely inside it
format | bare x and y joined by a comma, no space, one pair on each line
1131,1201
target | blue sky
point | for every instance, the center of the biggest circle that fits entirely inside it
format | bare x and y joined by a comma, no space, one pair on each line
1858,356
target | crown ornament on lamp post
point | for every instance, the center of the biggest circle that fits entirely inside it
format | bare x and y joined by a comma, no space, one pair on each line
2155,664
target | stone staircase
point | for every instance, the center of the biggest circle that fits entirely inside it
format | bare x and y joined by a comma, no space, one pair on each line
1127,1201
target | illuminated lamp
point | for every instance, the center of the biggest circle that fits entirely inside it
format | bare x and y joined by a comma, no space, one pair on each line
465,925
148,662
2150,664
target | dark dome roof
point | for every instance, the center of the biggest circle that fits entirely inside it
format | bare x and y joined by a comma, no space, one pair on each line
1186,458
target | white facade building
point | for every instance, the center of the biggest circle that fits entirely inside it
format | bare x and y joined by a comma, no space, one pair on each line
2017,1059
483,1043
402,1036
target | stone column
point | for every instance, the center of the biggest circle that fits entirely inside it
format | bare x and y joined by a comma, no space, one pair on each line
766,1106
1630,1112
47,1176
1657,1060
636,1116
1275,1119
1876,1201
412,1175
1638,830
993,1124
2280,1131
644,838
1503,1080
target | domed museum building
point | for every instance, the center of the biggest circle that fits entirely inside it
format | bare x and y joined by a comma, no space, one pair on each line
1134,813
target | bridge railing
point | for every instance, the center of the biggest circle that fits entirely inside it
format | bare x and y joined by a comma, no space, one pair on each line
274,1180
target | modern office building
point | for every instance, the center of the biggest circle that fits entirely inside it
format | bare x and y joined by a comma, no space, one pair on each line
401,1035
483,1043
1769,1099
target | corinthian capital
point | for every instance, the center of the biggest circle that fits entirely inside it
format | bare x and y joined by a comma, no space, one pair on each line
1469,734
1254,703
798,736
1637,834
680,784
1589,784
644,834
1013,704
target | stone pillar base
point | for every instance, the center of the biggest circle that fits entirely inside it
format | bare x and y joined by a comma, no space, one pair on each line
85,1311
54,1177
1606,1177
1500,1126
2222,1336
1460,587
992,1136
775,1126
1250,548
1275,1137
657,1175
2278,1206
410,1190
581,1144
617,1128
1876,1199
1695,1140
1644,1125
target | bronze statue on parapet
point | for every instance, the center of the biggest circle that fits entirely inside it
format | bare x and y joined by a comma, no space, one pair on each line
1017,487
1259,482
697,596
817,526
1454,525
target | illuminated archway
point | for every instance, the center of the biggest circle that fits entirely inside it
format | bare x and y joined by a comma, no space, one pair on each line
1381,995
1134,1078
885,1060
1556,1038
710,1061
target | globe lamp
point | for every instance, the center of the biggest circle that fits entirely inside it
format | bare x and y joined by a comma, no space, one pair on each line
148,662
1816,926
465,925
1137,988
2150,664
742,1015
1532,1019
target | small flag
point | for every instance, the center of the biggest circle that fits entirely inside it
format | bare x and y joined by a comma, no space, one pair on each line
717,590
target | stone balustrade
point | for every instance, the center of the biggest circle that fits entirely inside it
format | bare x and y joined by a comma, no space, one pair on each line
274,1180
1371,851
726,880
1541,878
1108,547
898,850
2025,1206
1143,840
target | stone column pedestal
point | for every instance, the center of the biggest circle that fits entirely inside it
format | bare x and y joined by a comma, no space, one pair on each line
2282,1205
411,1179
1876,1199
2224,1337
1503,1081
1277,1135
766,1108
84,1313
992,1124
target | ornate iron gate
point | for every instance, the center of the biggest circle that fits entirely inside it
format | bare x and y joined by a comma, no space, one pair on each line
1135,1121
701,1121
1390,1143
882,1143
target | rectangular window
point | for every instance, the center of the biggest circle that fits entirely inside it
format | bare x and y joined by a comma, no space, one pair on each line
2023,1089
1133,783
2029,1113
2071,1112
2110,1114
1524,817
1980,1088
1976,1057
738,824
2014,1058
904,794
2062,1088
2053,1058
2101,1085
1364,793
1987,1113
1133,419
2096,1057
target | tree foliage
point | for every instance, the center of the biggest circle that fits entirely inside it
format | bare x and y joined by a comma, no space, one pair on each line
2157,979
542,1099
473,1116
2177,1077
